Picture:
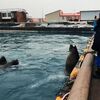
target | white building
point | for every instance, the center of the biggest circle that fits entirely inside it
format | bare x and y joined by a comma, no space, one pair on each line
60,16
89,15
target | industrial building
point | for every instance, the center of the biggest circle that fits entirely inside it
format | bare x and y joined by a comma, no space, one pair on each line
89,15
60,16
13,15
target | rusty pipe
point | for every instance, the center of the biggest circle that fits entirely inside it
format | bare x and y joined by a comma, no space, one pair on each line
80,89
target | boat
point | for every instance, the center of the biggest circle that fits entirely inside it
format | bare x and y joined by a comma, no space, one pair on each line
83,84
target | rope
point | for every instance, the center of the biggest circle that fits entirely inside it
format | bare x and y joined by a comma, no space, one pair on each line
65,95
76,69
78,65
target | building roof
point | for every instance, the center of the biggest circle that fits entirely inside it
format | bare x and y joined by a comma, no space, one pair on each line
90,11
53,12
69,14
13,9
61,13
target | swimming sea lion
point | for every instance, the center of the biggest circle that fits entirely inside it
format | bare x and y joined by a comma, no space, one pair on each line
5,64
9,64
3,60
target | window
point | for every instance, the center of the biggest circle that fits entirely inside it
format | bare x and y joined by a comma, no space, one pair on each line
4,15
9,14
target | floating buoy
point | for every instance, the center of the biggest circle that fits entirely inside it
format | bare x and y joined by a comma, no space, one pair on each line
74,73
58,98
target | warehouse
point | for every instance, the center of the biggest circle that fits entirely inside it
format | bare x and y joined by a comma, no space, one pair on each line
89,15
13,15
60,16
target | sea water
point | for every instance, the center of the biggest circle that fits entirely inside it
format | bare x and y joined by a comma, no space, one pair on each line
40,73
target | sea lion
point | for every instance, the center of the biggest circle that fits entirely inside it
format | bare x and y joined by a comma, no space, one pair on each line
3,60
72,59
9,64
5,64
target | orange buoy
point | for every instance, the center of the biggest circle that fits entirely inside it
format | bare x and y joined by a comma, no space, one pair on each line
58,98
74,73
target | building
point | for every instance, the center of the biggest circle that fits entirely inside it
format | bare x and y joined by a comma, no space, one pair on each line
38,20
89,15
60,16
13,15
35,22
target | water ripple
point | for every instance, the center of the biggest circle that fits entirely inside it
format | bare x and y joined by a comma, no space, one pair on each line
42,58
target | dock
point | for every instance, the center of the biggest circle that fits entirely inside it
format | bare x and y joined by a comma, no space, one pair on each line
50,30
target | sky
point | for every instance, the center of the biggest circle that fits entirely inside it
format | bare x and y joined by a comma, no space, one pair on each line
39,8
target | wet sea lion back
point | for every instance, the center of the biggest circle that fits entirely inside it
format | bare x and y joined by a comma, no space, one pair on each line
72,59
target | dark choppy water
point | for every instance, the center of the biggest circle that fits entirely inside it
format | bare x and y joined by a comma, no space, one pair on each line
42,59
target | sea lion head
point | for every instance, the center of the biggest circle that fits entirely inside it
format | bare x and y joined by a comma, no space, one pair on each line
3,60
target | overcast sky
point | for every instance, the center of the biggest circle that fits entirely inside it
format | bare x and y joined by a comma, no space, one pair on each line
38,8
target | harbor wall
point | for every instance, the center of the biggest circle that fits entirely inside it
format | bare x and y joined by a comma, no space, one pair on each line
51,30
